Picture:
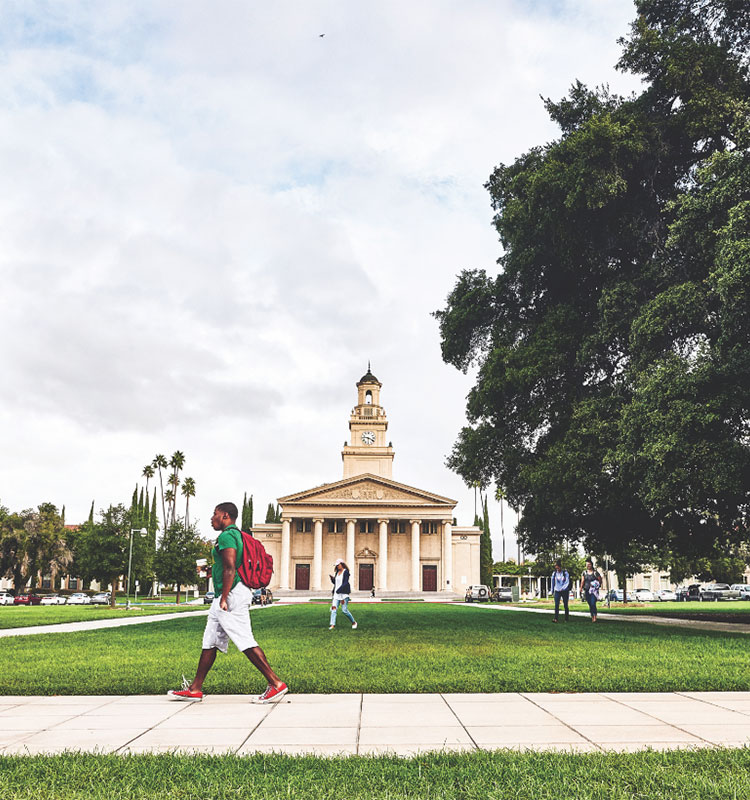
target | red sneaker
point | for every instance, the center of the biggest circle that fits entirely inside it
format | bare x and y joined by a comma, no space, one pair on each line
272,694
184,694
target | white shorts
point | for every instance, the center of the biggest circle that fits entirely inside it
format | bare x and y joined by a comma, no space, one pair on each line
234,624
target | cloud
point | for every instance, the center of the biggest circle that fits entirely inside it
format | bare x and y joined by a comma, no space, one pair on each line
212,218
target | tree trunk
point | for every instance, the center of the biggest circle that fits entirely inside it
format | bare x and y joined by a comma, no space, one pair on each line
113,595
178,594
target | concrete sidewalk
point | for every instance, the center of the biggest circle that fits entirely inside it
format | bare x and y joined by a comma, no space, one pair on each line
357,724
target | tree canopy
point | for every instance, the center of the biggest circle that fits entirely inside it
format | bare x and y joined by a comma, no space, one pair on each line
612,349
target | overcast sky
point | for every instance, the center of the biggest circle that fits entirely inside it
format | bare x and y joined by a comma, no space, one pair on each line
212,217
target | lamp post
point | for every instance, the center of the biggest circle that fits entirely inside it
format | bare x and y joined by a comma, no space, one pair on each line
142,532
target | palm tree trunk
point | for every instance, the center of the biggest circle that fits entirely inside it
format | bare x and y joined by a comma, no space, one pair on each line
163,507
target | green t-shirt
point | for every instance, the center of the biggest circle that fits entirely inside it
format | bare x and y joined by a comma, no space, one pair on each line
230,537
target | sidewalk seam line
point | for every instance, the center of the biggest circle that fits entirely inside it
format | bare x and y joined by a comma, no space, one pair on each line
663,722
460,721
268,713
562,722
156,725
359,721
712,704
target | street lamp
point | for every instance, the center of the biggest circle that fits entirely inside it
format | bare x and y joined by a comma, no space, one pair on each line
142,532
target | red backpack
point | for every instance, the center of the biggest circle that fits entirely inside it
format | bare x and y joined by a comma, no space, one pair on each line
256,568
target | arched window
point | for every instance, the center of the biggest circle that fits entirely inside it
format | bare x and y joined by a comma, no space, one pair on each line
368,397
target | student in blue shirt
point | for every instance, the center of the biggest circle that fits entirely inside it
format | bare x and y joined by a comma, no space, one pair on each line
561,586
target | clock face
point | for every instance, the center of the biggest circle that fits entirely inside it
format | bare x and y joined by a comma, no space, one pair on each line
368,437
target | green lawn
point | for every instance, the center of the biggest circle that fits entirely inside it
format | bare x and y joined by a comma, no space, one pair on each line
398,648
23,616
676,775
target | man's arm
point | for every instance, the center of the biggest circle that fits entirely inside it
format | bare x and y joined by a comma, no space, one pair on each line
229,567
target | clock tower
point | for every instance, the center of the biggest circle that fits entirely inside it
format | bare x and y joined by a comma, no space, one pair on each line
367,450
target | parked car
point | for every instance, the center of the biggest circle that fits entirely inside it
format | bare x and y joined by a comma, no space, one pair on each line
616,596
691,592
743,589
53,600
208,598
27,599
101,599
719,591
665,595
645,596
258,597
79,599
479,592
6,599
502,594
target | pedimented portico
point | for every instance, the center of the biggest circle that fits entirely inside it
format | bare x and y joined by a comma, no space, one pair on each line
394,537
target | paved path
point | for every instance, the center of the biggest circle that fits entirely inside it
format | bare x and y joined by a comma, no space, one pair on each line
357,724
603,616
95,624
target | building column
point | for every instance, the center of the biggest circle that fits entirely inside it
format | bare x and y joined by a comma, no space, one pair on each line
448,555
382,582
415,581
286,552
317,565
350,526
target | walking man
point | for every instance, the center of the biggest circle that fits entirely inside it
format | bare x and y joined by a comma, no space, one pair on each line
228,617
561,586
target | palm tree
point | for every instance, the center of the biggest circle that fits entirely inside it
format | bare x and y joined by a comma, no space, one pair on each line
177,462
161,462
188,491
174,483
148,473
169,497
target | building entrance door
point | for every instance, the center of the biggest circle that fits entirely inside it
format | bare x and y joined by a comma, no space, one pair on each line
429,577
302,576
365,577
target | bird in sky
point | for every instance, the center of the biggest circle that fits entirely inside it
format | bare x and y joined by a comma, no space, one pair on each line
321,35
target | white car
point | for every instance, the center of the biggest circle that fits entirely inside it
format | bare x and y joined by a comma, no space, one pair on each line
6,599
79,599
53,600
743,589
666,595
644,596
479,592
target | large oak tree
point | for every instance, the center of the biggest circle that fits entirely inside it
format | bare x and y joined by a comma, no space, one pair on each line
612,395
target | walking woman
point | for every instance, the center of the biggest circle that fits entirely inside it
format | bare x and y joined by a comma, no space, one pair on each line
591,580
341,591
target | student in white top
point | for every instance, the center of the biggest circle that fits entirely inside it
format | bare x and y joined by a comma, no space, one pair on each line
341,591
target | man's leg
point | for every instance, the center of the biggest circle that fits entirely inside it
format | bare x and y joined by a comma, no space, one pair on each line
260,662
205,662
565,596
557,604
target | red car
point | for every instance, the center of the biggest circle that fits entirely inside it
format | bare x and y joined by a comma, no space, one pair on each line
30,599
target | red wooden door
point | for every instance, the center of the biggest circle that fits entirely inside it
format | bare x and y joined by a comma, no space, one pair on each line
429,577
365,577
302,576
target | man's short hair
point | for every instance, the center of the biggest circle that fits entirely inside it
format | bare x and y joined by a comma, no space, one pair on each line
230,509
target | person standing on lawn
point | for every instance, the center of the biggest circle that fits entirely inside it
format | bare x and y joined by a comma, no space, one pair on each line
561,586
341,591
591,580
229,615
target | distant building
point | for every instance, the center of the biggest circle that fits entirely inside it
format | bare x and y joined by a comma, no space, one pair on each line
394,537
